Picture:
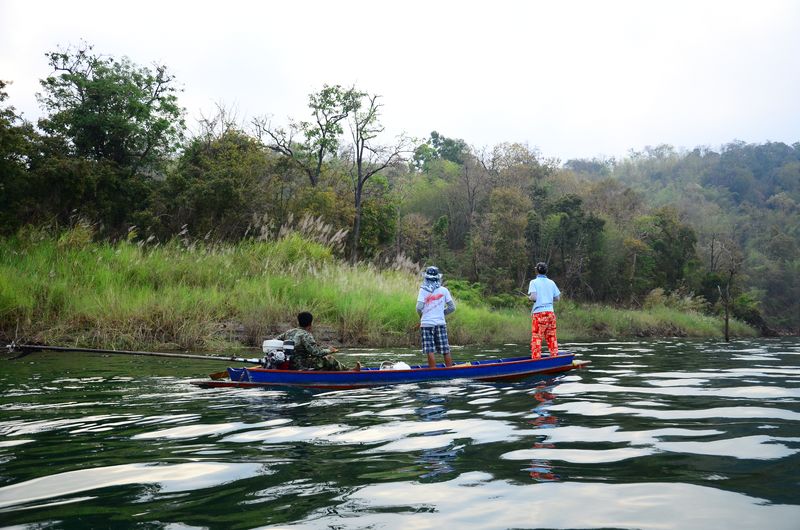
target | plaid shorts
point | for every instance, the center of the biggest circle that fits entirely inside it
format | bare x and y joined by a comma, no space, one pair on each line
434,339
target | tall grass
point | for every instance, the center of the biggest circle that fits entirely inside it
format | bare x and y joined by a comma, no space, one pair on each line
595,321
69,290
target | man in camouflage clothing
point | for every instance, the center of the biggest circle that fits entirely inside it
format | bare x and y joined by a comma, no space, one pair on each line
308,354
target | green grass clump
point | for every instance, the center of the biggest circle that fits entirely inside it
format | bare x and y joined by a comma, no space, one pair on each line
66,289
595,321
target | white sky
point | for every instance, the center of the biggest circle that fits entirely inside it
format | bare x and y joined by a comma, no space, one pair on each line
576,79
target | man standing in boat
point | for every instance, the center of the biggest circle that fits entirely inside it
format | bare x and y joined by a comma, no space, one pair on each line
308,355
433,303
543,291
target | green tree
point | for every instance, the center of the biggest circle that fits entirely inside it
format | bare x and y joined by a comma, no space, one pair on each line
440,147
496,249
320,137
508,208
518,165
111,109
414,237
576,244
41,183
378,212
219,186
16,146
367,157
95,190
452,149
594,169
673,246
614,201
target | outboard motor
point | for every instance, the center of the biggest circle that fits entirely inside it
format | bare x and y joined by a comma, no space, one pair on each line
277,353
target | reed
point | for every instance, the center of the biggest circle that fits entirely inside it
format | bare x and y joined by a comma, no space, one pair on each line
66,289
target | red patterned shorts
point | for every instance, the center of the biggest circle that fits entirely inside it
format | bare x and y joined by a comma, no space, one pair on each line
543,326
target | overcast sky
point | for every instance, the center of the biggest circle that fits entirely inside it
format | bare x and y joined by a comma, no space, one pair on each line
577,79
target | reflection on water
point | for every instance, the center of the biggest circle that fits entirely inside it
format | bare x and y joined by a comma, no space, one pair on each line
476,496
176,477
661,434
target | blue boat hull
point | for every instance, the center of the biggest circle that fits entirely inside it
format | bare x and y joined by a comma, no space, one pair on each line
486,370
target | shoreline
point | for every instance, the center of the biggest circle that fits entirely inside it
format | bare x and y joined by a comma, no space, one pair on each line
236,338
124,295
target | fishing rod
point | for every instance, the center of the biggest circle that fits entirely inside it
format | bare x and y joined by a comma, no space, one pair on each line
27,349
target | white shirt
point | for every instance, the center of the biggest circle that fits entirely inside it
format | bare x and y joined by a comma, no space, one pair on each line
546,291
433,307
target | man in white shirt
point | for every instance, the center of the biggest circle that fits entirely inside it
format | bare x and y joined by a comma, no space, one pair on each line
543,291
433,303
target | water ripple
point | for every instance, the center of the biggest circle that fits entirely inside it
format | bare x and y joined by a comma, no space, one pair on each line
593,408
749,392
198,430
168,478
663,434
472,497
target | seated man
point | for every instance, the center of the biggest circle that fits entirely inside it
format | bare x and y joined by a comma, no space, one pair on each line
308,355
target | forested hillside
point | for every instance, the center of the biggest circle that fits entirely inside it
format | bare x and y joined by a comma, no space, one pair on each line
741,202
711,228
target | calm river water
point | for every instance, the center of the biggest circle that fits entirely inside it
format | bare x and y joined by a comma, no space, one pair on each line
660,434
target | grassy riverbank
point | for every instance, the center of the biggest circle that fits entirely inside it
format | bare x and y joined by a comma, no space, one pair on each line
70,290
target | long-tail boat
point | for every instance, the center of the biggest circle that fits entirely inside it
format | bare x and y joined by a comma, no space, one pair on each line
483,370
